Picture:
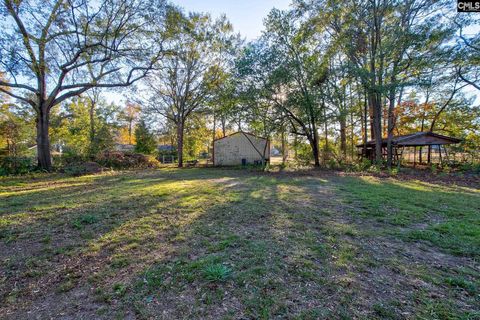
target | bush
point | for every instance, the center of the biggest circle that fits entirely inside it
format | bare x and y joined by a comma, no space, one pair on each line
359,166
66,159
127,160
16,165
304,154
470,167
79,169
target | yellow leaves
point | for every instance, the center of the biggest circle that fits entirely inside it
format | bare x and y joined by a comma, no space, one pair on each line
124,136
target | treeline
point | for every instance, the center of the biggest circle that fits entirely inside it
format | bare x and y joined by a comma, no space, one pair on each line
324,77
350,71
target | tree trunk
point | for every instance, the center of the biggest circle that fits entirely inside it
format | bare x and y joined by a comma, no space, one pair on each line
130,125
343,136
92,147
365,132
377,125
390,126
224,126
315,152
352,138
295,147
214,133
371,115
180,144
314,144
92,123
325,122
43,140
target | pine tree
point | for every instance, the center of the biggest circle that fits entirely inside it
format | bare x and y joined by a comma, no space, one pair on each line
145,139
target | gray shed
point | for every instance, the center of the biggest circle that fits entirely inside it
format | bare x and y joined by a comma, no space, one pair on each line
240,148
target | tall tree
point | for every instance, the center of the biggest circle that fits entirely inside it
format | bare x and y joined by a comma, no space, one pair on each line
145,139
286,69
187,79
51,51
130,115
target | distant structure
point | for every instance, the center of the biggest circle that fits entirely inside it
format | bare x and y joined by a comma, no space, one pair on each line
240,148
435,141
275,152
166,148
124,147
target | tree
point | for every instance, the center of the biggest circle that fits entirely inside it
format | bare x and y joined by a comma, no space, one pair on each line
71,127
186,79
15,135
55,50
145,140
468,52
94,98
285,71
130,115
386,43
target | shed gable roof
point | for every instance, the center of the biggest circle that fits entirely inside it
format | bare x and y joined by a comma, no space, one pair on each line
238,132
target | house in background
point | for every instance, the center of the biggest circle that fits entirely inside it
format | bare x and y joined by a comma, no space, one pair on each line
124,147
240,148
166,149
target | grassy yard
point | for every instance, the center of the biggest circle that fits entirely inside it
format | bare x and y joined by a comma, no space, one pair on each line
228,244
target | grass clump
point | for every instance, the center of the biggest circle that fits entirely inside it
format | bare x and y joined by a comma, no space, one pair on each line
459,282
119,289
84,220
216,273
153,279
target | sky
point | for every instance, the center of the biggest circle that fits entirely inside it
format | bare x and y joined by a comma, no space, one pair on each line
245,15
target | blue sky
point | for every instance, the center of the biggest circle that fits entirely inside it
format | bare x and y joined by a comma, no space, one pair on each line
245,15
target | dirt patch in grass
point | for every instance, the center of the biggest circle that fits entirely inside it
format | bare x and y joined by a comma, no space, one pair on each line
213,243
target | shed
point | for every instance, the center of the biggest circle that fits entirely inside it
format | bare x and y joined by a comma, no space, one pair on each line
240,148
419,139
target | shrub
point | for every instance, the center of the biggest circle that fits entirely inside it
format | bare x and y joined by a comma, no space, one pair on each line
65,159
359,166
78,169
127,160
470,167
16,165
304,154
333,164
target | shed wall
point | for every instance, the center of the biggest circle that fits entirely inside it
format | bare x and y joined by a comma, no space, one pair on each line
230,150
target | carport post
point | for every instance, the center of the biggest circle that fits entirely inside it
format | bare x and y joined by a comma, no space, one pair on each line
440,154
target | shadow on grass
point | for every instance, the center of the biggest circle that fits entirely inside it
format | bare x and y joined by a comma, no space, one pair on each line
448,217
149,243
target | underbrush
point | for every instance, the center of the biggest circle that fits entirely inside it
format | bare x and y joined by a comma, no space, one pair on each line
16,165
76,165
126,160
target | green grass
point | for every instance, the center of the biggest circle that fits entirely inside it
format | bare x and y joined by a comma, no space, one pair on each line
216,273
215,243
448,217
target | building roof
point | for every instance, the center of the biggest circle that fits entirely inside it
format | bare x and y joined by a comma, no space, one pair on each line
165,147
426,138
232,134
